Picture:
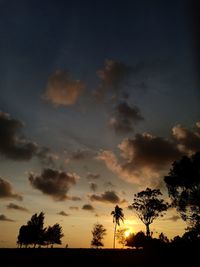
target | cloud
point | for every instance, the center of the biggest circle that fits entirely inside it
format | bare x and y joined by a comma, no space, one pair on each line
16,207
124,118
6,190
46,157
143,159
111,161
92,176
188,140
93,186
62,89
63,213
115,76
12,143
74,208
54,183
107,197
88,207
112,76
73,198
109,184
4,218
79,155
173,218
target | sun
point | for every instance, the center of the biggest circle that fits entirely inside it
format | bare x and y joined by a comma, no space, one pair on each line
127,233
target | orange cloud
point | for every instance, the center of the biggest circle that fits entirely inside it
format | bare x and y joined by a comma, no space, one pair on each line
62,89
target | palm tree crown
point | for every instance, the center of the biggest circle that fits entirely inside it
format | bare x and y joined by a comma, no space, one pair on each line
118,216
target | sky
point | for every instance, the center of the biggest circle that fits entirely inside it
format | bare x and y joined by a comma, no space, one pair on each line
97,99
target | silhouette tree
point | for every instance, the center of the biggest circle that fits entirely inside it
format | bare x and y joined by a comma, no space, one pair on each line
130,240
183,183
98,234
34,233
36,226
121,237
140,240
25,236
53,235
118,216
163,238
137,240
148,206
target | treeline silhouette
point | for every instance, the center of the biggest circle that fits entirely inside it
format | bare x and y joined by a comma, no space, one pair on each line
183,184
34,233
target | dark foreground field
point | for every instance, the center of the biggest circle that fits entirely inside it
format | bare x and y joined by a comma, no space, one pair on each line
93,257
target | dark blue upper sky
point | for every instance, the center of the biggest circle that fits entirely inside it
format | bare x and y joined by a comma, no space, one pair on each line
37,38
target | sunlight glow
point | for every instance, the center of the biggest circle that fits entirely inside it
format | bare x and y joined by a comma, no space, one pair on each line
127,233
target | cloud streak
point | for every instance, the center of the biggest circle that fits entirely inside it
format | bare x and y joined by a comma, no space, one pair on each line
88,207
13,206
5,219
63,213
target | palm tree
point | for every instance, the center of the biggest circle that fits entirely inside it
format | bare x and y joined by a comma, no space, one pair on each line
117,216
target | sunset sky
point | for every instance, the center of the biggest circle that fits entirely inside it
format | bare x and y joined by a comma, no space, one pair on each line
97,99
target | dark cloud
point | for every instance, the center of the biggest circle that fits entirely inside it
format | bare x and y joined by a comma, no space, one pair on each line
6,190
4,218
62,89
149,151
93,186
92,176
63,213
88,207
74,208
112,76
13,144
143,159
188,140
124,118
107,197
54,183
16,207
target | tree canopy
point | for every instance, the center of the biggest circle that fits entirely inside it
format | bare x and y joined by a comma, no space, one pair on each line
183,183
98,234
148,206
34,233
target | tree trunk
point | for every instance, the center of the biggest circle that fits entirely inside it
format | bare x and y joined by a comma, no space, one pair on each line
114,235
147,230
